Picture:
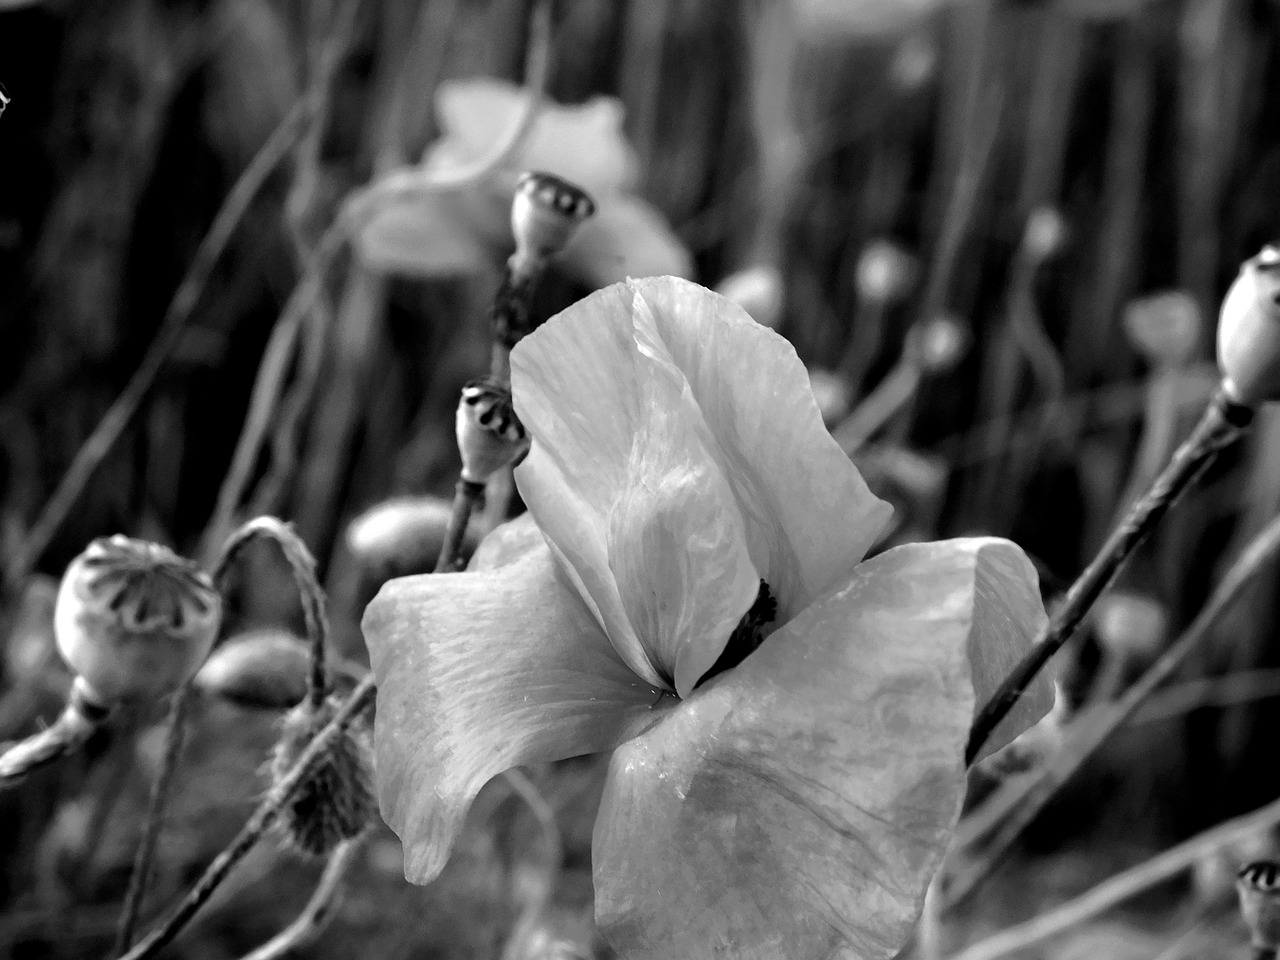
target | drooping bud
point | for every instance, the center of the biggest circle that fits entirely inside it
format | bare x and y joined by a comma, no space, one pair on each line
1164,328
490,436
940,344
757,290
1131,626
1258,887
263,670
545,212
134,619
885,273
1044,234
1249,331
336,801
403,536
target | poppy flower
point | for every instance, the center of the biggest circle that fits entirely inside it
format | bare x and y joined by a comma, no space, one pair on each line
787,720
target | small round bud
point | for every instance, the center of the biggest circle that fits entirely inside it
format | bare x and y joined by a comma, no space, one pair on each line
757,290
134,619
1249,331
914,63
832,393
1258,887
403,535
545,213
336,801
885,273
1164,328
1130,625
263,670
490,436
1044,234
939,344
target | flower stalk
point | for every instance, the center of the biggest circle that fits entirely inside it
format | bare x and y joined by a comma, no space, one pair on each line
80,719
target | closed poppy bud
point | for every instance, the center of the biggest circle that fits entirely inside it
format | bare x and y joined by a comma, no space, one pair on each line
403,535
1044,233
940,343
265,670
1258,886
490,436
545,213
134,620
1249,331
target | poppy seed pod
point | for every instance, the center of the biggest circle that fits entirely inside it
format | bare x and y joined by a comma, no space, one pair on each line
134,620
545,213
490,436
1249,331
1258,886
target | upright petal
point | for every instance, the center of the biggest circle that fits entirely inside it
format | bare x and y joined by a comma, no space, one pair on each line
809,514
623,481
480,672
799,804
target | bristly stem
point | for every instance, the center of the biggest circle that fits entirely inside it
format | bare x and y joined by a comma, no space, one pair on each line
360,699
1223,423
466,498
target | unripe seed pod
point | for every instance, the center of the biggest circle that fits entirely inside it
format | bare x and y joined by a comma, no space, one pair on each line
134,619
264,670
490,436
545,213
335,802
403,536
1258,886
1249,331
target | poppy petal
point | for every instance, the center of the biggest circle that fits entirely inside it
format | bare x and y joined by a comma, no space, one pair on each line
810,517
480,672
799,804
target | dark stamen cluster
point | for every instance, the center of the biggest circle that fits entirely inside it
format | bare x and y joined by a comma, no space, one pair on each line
747,635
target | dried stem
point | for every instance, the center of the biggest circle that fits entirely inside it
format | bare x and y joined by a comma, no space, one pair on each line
1096,727
185,299
1223,423
320,909
264,816
1120,887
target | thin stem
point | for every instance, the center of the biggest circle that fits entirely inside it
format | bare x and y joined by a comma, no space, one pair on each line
1120,887
1223,423
158,798
185,299
361,698
320,909
79,720
466,497
1096,727
889,396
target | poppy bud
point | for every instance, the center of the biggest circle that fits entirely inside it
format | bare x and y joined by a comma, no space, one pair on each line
134,620
264,670
939,344
1044,233
403,536
885,273
1258,887
1249,331
757,290
1164,328
1131,626
335,802
545,213
490,436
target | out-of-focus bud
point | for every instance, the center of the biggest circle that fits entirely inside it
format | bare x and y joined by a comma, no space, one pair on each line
545,212
336,801
1131,626
940,344
134,620
490,436
1044,234
1258,887
832,393
914,63
1164,328
885,273
757,290
264,670
403,536
1249,331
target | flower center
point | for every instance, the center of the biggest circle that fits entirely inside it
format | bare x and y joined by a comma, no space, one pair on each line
747,635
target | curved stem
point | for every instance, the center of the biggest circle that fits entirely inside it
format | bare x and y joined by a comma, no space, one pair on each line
1223,423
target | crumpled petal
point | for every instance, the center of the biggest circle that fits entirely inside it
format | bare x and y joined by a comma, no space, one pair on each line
810,517
480,672
799,804
626,237
623,482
